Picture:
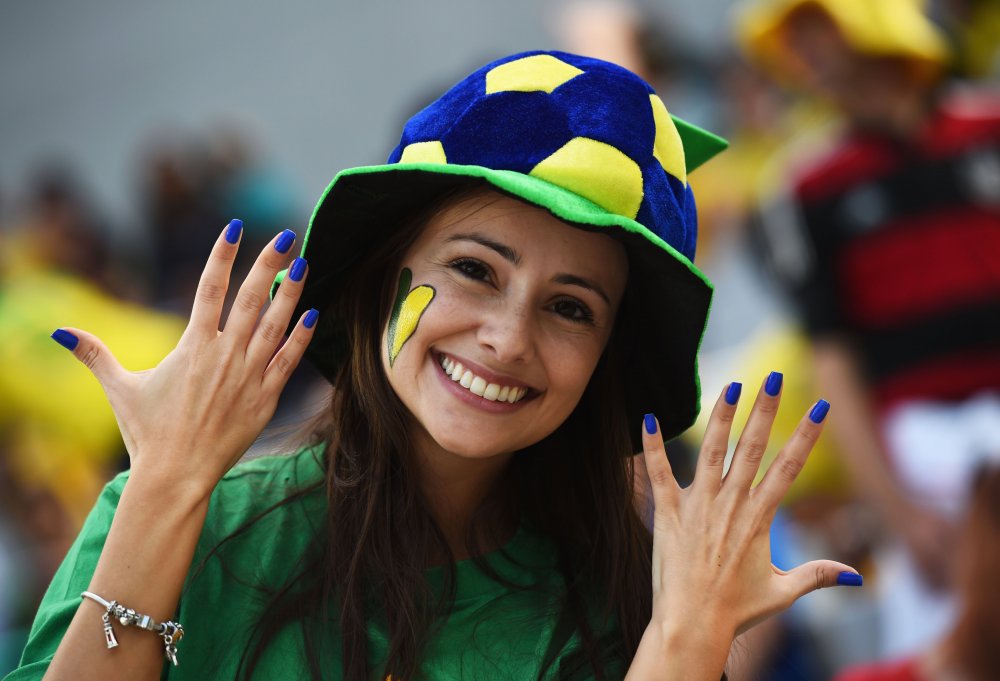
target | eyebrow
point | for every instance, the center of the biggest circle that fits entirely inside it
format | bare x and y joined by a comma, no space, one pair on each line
509,254
573,280
506,252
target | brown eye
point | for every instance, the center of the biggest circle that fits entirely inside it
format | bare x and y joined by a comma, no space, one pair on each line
471,269
573,310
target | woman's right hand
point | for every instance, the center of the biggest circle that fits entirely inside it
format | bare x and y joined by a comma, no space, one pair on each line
187,421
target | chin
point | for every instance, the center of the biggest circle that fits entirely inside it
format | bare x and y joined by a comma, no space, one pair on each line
473,448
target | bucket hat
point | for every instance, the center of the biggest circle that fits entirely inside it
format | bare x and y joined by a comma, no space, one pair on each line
877,28
582,138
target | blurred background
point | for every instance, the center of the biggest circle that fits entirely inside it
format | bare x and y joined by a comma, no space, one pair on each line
130,133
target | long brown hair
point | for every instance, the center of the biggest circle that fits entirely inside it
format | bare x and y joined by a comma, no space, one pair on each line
575,487
974,644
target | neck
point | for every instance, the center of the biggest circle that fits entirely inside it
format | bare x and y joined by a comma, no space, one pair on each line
455,487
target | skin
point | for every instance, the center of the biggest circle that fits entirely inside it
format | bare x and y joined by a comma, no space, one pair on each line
712,576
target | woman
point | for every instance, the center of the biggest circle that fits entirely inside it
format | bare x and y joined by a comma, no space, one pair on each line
496,309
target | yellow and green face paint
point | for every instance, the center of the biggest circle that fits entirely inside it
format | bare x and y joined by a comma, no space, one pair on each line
406,312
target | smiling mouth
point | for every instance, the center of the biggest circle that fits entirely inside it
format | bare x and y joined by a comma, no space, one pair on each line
478,385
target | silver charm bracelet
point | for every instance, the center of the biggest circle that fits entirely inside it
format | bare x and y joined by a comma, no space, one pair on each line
172,632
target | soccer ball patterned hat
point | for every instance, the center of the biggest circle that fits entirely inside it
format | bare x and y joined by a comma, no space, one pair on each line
585,139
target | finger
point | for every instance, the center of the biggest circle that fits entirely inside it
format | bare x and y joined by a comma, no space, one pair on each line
818,574
753,440
253,292
94,355
661,477
712,456
214,282
287,358
790,460
272,326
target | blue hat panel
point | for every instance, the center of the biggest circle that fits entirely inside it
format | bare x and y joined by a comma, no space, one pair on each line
621,117
664,209
507,130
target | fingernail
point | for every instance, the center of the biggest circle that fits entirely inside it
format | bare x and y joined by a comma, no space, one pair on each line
773,384
733,393
285,241
311,317
849,579
233,231
650,422
819,411
65,339
297,270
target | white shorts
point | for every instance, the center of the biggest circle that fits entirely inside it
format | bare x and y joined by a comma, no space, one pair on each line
935,450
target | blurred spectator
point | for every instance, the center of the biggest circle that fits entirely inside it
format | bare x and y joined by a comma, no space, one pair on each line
183,217
971,650
55,262
889,242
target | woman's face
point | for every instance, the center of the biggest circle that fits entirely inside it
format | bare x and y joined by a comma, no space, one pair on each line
509,310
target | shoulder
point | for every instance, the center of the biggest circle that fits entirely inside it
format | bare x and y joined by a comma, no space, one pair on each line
266,507
250,488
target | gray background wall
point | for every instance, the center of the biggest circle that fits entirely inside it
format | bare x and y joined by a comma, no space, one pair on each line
323,85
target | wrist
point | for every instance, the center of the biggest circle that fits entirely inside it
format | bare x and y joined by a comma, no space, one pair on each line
696,648
182,491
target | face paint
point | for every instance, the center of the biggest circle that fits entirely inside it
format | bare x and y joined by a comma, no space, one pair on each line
406,312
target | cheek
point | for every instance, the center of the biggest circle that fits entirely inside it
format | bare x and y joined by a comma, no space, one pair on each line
407,311
571,362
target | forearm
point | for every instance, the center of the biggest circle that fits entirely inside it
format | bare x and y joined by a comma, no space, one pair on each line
855,429
681,652
143,565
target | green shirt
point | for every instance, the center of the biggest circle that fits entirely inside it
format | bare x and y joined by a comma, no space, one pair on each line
493,631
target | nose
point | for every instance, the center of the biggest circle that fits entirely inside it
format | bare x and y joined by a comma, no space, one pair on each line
508,332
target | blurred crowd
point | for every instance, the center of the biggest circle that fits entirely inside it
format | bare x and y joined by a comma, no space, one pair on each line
853,234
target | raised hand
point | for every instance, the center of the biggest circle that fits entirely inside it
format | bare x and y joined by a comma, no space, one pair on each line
712,571
187,421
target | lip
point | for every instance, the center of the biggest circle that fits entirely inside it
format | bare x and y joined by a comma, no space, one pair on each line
491,377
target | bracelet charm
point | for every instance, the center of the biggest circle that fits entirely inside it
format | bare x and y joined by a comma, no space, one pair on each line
170,632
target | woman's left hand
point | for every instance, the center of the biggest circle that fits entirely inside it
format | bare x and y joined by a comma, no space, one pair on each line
712,571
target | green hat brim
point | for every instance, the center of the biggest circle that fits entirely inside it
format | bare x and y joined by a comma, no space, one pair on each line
362,207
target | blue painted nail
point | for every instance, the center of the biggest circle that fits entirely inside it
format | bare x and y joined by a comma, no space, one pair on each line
297,270
773,384
233,231
285,241
733,393
819,411
311,317
650,421
849,579
65,339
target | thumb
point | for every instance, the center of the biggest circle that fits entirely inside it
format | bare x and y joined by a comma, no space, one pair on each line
819,574
94,354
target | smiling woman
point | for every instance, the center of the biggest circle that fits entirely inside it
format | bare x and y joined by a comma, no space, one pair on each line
498,309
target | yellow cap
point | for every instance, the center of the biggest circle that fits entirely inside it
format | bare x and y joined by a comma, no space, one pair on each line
879,28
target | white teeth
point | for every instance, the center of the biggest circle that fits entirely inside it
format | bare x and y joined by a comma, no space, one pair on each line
478,385
491,392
